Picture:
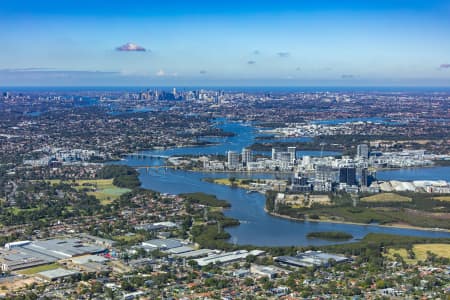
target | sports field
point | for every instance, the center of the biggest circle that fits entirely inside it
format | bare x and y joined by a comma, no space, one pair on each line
103,189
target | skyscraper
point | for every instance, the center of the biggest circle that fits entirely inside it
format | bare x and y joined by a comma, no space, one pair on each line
293,153
365,177
247,155
274,153
362,150
347,175
233,159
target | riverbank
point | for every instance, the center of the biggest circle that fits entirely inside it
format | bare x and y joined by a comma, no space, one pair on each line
401,225
196,169
330,235
328,220
250,185
238,171
257,227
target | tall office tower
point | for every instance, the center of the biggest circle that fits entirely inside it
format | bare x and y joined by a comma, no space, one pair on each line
293,153
362,150
347,175
365,177
284,157
247,155
233,159
274,153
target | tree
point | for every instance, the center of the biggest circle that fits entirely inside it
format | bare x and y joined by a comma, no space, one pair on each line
127,286
248,281
250,259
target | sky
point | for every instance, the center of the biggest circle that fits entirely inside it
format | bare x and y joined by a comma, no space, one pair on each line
225,43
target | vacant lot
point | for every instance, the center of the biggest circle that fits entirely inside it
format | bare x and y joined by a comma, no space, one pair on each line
420,251
442,250
34,270
300,201
129,239
236,182
386,197
16,283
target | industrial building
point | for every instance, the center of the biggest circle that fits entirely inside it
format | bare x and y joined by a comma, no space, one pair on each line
27,254
156,226
56,274
194,253
161,244
311,258
267,271
227,257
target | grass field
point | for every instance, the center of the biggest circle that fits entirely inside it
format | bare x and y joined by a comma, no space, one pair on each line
386,197
215,209
16,210
402,252
420,251
103,189
34,270
130,239
442,250
442,198
237,182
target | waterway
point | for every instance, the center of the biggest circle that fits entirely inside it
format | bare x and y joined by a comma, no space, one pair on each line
257,227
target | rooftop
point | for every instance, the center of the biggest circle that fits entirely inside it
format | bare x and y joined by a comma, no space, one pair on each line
162,243
57,273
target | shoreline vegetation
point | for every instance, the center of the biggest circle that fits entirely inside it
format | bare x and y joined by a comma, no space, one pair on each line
211,235
401,214
384,209
329,220
205,199
232,182
330,235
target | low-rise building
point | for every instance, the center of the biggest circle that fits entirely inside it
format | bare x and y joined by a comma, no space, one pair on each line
311,258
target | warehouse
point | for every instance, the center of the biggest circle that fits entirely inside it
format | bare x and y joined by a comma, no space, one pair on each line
161,244
311,258
56,274
27,254
195,253
227,257
267,271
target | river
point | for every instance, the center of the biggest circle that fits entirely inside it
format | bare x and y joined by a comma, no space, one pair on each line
257,227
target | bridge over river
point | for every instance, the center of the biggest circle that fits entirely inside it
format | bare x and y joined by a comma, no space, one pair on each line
145,156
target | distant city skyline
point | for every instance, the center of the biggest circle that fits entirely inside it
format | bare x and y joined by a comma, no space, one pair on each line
208,43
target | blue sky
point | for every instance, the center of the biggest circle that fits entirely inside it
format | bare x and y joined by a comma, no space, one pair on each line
253,43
